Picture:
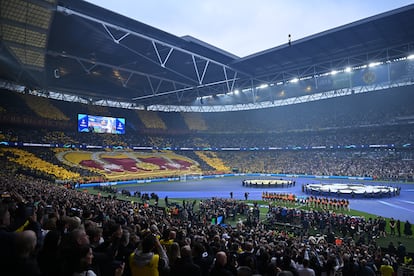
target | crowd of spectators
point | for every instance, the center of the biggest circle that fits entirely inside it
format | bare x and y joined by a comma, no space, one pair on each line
380,164
46,229
397,136
371,118
344,122
379,108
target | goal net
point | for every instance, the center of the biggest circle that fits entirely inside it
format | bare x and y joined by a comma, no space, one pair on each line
190,177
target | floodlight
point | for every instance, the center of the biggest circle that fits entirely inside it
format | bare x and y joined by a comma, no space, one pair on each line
294,80
348,69
334,72
410,56
373,64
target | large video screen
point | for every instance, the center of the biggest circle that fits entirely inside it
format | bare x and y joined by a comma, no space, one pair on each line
99,124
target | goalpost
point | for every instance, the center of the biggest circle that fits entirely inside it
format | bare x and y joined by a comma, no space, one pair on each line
190,177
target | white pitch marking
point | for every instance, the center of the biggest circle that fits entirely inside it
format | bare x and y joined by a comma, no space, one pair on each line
395,206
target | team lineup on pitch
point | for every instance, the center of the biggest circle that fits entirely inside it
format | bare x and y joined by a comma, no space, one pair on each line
398,207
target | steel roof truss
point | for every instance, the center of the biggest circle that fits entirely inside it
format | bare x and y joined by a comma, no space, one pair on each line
229,86
116,40
180,96
162,62
200,78
186,88
154,90
357,60
96,63
91,18
157,62
87,70
125,83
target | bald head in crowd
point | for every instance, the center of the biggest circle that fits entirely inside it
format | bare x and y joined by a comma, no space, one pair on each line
221,258
186,251
26,243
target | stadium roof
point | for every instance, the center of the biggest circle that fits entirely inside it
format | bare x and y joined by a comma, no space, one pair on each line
77,48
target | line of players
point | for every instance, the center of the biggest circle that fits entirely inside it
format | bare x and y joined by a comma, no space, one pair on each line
273,182
310,201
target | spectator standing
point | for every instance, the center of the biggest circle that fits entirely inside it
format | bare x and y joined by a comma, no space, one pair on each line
401,252
83,263
48,255
220,267
399,228
305,270
407,229
25,263
185,266
146,262
7,239
392,224
386,269
365,269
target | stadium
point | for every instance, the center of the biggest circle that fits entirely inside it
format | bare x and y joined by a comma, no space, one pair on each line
113,132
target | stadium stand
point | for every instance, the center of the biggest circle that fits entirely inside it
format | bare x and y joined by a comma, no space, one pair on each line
151,120
194,121
211,159
44,108
304,157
